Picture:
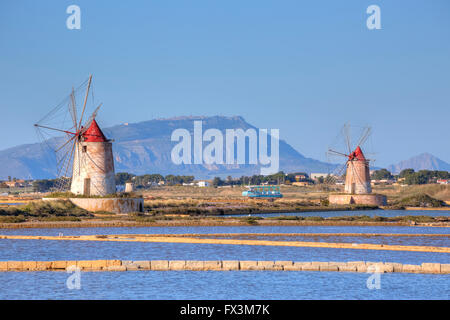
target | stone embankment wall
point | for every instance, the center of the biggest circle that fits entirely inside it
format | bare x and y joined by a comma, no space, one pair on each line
221,265
116,205
367,199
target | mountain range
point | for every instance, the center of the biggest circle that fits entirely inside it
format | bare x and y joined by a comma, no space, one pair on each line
146,147
424,161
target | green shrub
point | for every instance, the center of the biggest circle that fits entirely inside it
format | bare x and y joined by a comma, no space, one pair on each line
136,214
53,208
40,209
12,219
145,219
59,218
314,218
287,218
421,200
251,220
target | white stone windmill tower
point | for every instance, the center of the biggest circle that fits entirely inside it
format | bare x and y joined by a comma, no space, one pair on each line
84,156
93,164
357,173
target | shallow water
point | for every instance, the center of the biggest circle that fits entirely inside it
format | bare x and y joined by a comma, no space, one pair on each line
226,229
92,250
221,285
385,240
370,213
174,285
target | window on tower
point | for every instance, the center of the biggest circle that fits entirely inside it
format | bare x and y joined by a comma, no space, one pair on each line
84,149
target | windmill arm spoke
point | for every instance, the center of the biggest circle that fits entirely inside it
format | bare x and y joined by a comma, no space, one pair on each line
85,101
73,110
70,159
347,137
66,143
45,127
94,114
338,153
365,136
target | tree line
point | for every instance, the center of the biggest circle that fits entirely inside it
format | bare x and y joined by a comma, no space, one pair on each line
277,178
146,180
410,177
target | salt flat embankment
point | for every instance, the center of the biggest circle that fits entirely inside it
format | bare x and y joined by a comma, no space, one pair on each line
221,265
194,240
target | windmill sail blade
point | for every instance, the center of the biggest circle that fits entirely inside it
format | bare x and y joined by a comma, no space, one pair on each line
341,169
348,138
73,109
91,118
79,159
364,136
85,101
55,129
70,160
65,144
338,153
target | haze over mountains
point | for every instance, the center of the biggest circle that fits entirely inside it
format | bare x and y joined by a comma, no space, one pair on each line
424,161
145,147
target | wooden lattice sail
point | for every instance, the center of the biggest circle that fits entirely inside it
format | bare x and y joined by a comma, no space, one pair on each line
84,155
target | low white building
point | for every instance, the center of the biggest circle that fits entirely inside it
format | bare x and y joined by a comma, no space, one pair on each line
203,183
316,176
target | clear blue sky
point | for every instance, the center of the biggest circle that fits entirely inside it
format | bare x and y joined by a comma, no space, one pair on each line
305,67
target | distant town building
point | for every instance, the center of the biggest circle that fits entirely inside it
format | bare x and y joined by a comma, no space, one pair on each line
316,176
443,181
12,184
19,183
203,183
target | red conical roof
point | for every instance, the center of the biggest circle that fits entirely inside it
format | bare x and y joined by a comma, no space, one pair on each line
94,133
357,155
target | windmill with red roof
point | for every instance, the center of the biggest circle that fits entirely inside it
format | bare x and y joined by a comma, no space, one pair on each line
84,157
357,176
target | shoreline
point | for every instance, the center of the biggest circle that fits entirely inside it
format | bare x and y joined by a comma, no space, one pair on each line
231,222
191,213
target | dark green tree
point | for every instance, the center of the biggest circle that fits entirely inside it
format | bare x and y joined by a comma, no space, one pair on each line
44,185
382,174
405,172
123,177
217,182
